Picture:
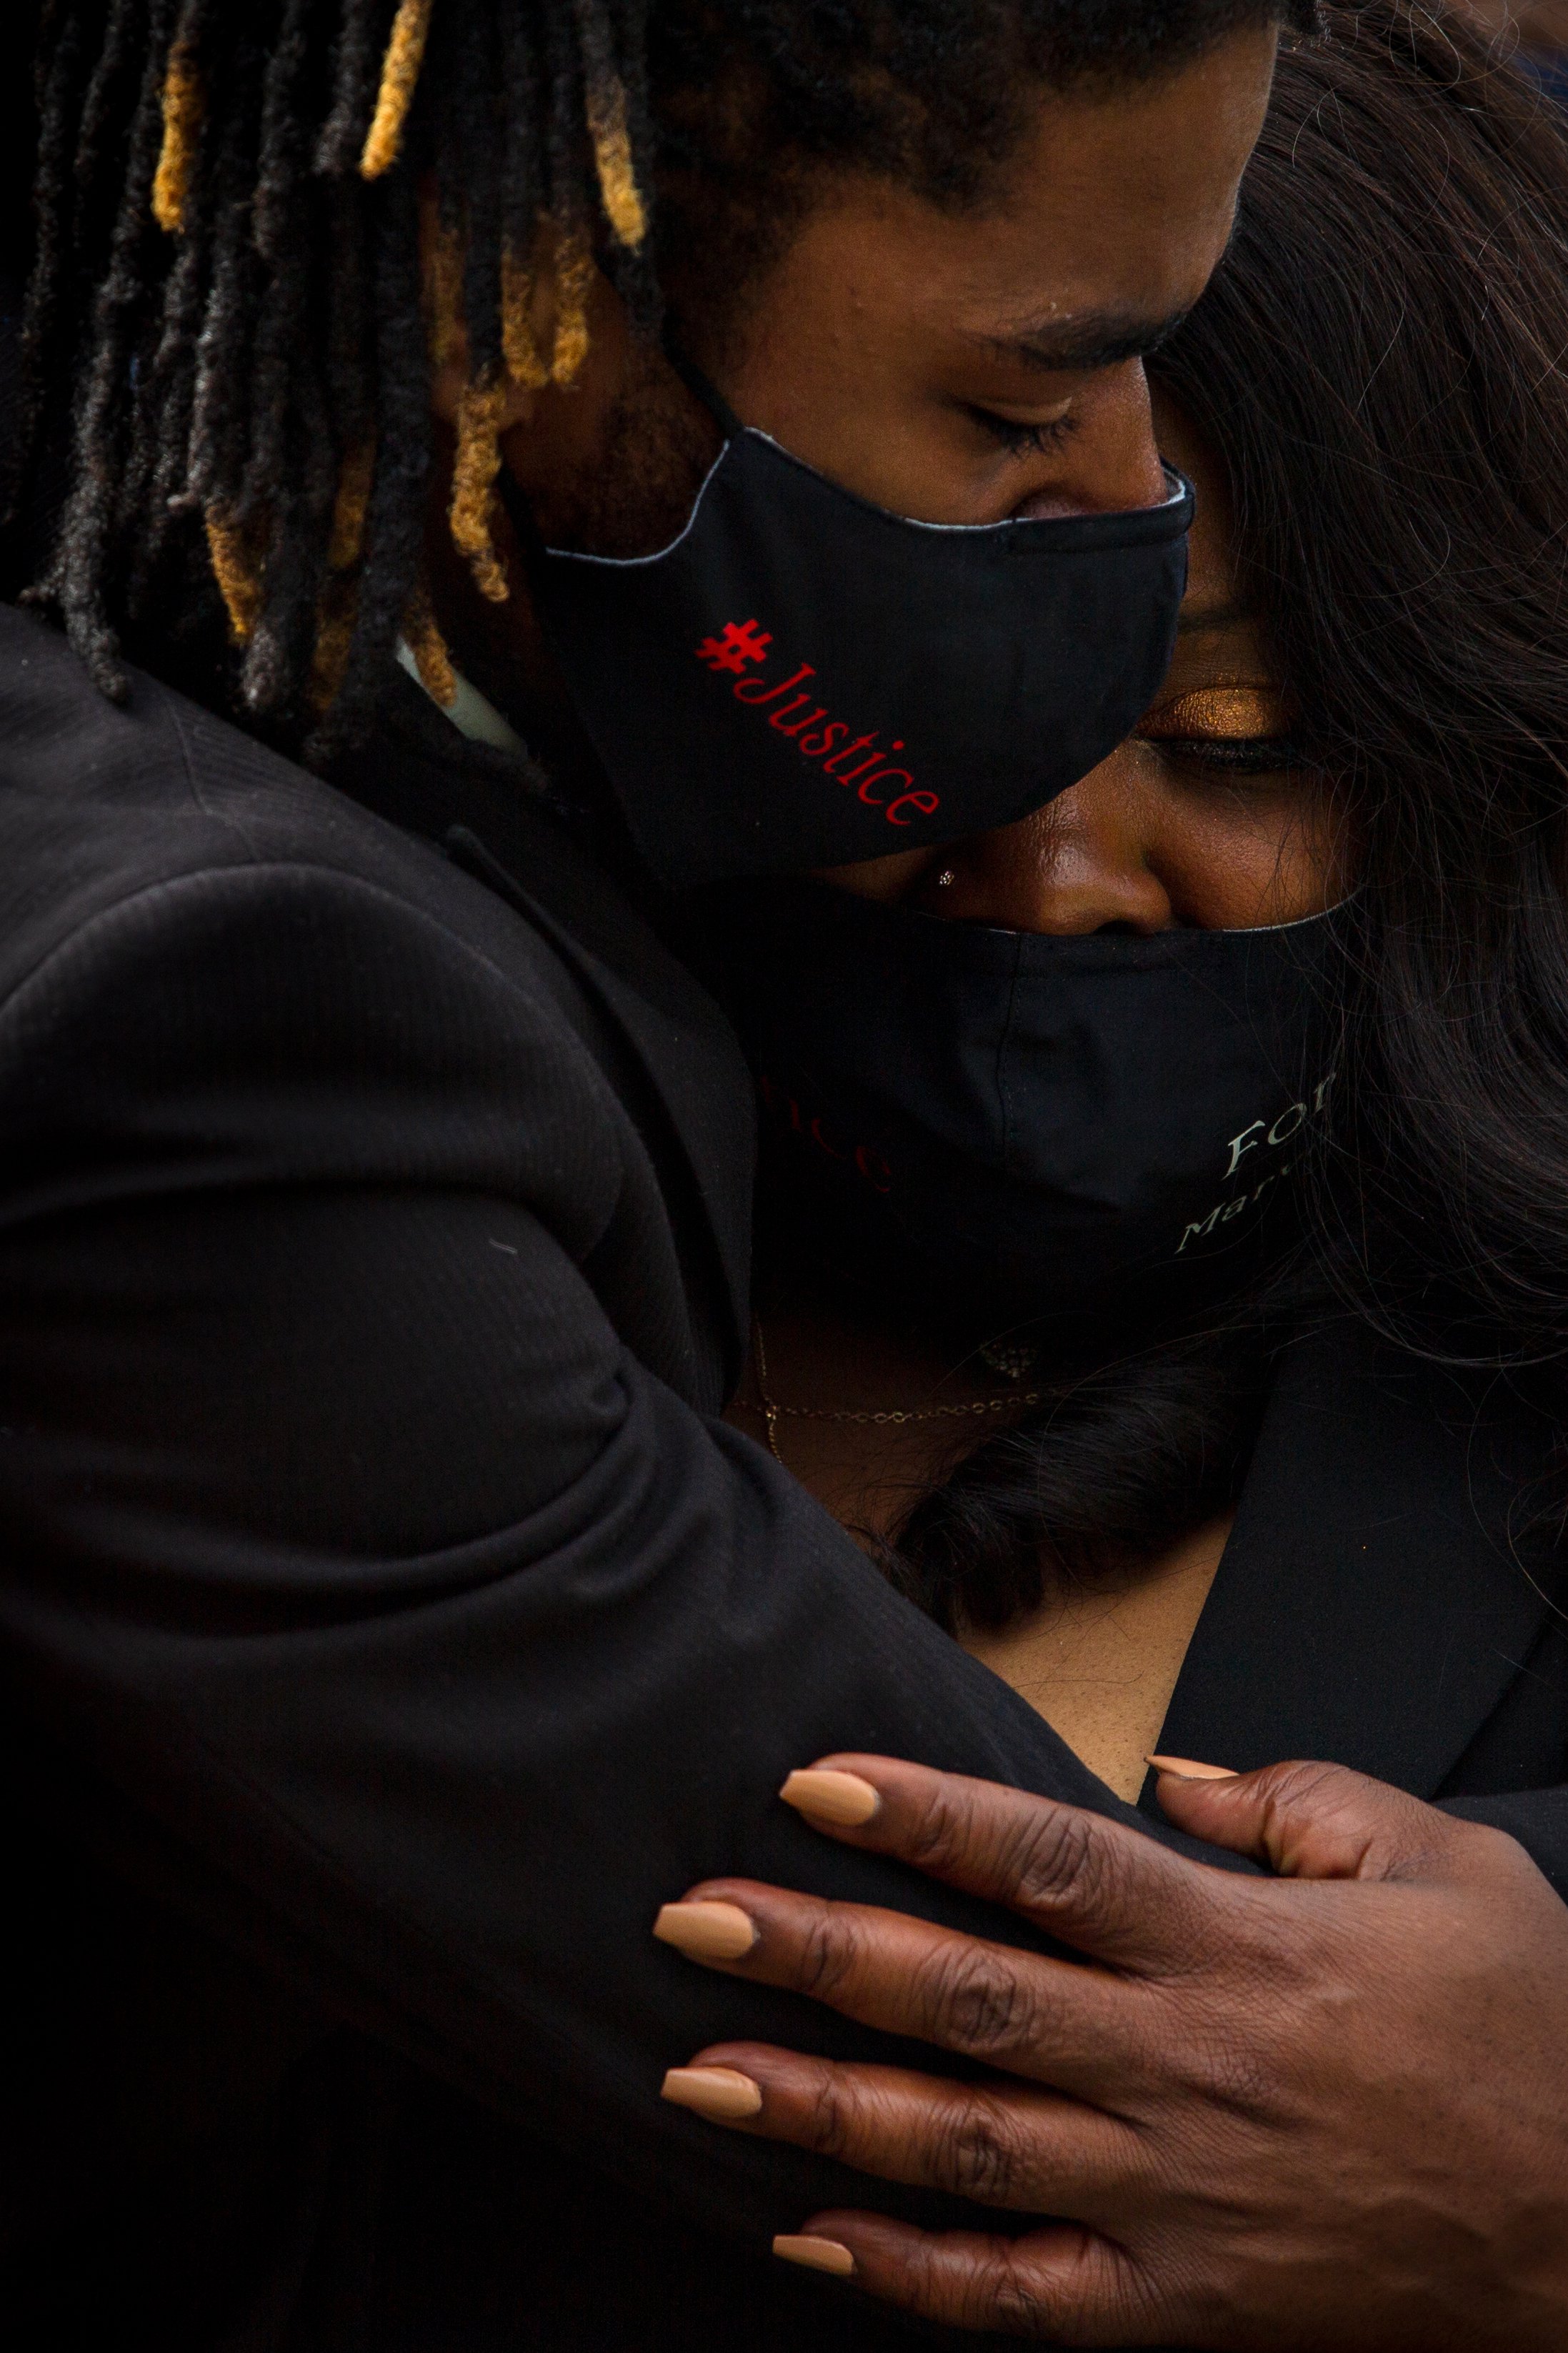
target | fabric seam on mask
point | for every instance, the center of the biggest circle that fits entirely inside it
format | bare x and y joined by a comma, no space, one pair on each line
973,531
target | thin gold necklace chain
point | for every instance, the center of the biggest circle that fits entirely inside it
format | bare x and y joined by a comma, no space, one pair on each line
773,1411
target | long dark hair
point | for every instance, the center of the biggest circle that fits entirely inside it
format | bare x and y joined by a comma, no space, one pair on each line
1380,364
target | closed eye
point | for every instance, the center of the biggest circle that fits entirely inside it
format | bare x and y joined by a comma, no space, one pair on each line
1235,727
1245,755
1021,440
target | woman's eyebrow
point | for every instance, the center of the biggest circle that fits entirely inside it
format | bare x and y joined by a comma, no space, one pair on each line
1211,616
1093,339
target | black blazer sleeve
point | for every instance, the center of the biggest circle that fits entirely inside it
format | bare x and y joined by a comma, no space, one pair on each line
427,1639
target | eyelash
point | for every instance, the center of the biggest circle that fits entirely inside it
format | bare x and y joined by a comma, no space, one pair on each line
1020,440
1254,755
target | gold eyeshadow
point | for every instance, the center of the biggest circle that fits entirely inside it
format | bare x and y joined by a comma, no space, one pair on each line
1229,712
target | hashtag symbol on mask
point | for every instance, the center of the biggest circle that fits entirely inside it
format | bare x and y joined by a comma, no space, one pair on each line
740,643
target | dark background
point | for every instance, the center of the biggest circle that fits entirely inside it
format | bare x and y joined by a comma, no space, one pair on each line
17,145
16,134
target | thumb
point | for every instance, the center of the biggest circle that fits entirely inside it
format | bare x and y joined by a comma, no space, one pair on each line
1310,1822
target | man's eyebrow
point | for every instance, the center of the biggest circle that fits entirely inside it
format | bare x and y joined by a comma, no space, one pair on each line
1091,340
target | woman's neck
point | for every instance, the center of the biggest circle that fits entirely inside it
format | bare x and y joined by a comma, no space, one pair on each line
817,1360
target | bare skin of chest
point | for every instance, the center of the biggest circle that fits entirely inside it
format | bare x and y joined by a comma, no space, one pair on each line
1100,1667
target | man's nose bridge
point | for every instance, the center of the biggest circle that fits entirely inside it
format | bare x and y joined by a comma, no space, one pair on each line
1113,460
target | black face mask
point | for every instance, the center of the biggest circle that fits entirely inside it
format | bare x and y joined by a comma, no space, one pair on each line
1003,1126
802,680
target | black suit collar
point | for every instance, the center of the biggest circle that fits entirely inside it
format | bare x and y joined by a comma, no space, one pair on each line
1376,1599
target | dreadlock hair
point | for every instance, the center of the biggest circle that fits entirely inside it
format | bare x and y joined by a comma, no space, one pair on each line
250,365
233,302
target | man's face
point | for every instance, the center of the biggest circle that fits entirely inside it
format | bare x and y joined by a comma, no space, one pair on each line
956,366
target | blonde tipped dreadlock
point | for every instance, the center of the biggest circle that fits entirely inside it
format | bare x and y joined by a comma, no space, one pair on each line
399,80
236,572
184,107
428,648
573,276
518,347
346,544
337,619
607,128
480,404
473,486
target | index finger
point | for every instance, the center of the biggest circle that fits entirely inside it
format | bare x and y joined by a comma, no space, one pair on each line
1098,1885
1080,2029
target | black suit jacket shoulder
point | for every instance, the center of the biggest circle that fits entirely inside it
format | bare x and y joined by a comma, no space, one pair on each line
261,982
377,1595
388,1625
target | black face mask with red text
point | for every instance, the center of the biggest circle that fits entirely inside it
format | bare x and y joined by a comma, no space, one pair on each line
802,680
999,1126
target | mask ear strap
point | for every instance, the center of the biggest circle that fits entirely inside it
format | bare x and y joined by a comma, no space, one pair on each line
516,507
690,374
521,515
708,393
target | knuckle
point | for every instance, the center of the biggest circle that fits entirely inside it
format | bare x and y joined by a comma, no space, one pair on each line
1417,1859
1315,1820
1478,1852
980,2157
1327,1820
973,1998
1014,2304
932,2289
830,2122
943,1832
1308,1781
829,1955
1059,1853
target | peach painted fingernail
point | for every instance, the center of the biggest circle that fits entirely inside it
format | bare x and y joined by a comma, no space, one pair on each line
707,1932
841,1798
1182,1768
817,2254
721,2093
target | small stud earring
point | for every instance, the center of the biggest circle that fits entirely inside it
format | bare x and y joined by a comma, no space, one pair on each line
944,878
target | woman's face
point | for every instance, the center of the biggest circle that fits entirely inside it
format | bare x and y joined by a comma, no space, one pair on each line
1202,819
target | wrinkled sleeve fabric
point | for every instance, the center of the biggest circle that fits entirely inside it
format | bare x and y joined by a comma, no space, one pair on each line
435,1639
